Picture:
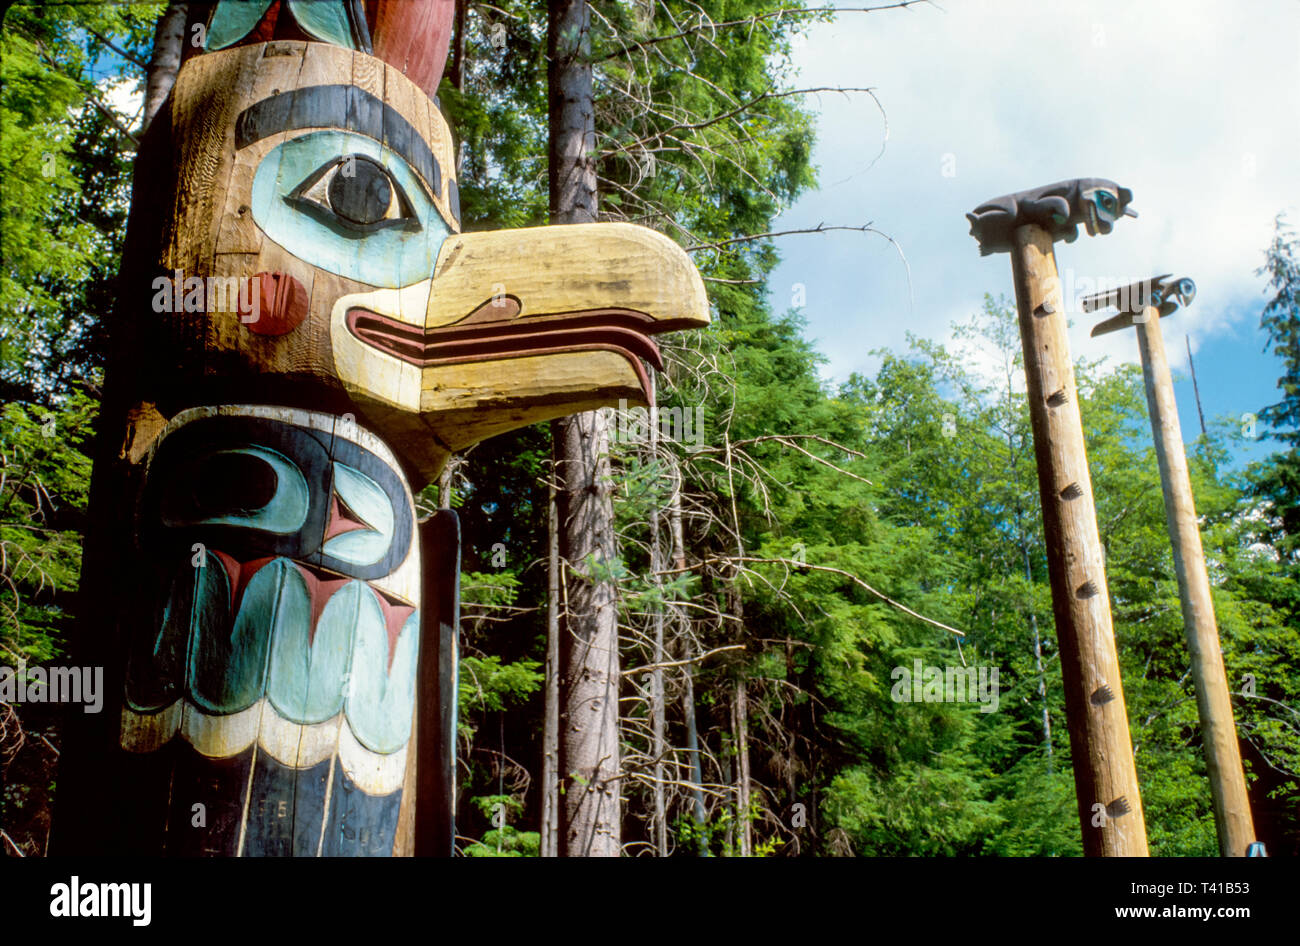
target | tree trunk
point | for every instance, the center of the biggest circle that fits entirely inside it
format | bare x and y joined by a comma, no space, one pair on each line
589,756
658,743
457,71
681,624
741,708
550,846
165,62
693,749
1038,664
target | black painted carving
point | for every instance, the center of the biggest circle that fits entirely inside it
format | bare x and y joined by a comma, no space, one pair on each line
1167,294
176,501
1058,208
339,106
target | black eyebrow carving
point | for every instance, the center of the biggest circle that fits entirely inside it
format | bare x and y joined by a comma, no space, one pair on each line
339,106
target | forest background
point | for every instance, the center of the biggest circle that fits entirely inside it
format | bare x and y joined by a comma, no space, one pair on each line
765,547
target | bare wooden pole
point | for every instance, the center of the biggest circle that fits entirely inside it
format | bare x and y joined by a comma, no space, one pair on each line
1105,776
1196,388
1232,818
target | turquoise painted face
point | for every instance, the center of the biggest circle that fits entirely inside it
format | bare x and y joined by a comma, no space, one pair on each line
347,204
1102,206
347,660
287,583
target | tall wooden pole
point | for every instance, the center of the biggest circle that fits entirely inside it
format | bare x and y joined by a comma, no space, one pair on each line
1105,777
1232,819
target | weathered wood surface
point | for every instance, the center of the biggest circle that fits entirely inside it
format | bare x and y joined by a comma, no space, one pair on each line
287,647
336,314
1232,817
476,333
1106,786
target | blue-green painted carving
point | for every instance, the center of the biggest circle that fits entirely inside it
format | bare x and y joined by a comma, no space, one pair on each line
326,21
371,505
233,21
227,664
156,675
308,672
289,178
381,698
284,513
269,648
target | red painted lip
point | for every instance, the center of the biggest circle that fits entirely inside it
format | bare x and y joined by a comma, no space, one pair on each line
618,330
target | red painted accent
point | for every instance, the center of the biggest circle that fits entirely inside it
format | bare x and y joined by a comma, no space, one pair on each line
232,573
319,590
621,331
395,615
340,521
240,574
283,304
413,37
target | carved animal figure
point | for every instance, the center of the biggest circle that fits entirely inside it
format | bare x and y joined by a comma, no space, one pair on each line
1059,208
1165,293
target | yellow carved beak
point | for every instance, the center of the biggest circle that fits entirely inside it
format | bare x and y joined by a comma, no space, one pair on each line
519,326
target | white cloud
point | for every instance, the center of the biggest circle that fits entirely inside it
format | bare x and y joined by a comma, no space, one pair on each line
1194,105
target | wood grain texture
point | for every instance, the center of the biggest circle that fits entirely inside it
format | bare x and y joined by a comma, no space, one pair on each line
570,269
1232,817
278,66
435,824
1106,786
443,145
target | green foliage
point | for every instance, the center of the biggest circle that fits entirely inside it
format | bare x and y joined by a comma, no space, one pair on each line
1275,482
44,481
803,505
65,167
488,684
506,840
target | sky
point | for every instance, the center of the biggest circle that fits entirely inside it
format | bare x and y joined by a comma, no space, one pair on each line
1193,105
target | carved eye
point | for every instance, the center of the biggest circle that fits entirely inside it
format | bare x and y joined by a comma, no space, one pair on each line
1106,201
249,487
357,193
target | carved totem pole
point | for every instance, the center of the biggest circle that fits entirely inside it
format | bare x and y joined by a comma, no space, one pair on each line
304,336
1143,305
1026,225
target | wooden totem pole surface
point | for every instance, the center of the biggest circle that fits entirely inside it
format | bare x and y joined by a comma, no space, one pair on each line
304,336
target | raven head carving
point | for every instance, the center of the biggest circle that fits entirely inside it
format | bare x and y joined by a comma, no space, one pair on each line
1058,208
